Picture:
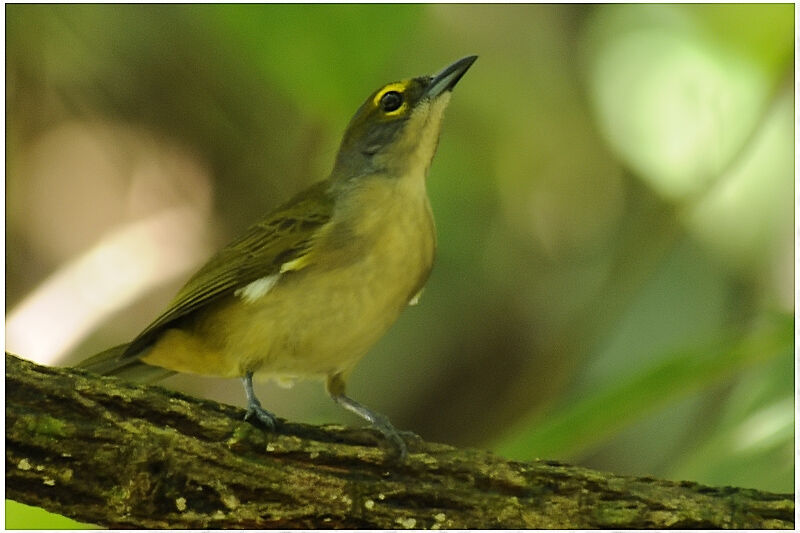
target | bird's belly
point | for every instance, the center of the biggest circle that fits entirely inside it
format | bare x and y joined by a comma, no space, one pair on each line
326,329
320,321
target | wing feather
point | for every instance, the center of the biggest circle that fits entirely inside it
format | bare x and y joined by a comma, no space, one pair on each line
286,235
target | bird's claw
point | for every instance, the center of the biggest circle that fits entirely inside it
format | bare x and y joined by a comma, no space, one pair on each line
264,416
394,437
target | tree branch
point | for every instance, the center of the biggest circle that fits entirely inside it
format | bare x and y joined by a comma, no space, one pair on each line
109,452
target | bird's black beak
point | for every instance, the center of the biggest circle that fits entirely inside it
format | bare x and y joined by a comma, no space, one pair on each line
449,76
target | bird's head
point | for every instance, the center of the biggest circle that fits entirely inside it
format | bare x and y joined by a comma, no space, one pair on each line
396,130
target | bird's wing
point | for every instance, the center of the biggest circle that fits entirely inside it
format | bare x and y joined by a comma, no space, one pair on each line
286,235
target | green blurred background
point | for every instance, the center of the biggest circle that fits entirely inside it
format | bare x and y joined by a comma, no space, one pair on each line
613,191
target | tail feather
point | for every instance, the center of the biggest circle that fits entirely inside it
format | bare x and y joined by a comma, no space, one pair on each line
114,362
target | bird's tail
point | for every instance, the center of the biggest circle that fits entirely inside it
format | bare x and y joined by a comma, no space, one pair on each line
114,362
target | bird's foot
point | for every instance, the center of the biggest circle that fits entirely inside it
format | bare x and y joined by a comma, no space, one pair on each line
254,406
264,416
395,438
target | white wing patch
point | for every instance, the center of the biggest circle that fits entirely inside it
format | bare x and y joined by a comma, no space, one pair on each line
257,289
415,299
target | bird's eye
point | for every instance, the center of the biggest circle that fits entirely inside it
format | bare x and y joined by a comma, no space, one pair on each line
391,101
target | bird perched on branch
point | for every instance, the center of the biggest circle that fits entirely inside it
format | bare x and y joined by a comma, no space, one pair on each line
305,292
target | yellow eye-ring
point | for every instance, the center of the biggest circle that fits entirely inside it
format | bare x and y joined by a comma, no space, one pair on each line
391,99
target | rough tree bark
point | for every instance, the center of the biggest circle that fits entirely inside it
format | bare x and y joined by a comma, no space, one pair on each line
109,452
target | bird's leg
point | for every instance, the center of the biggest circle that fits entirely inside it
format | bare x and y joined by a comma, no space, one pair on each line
254,406
336,389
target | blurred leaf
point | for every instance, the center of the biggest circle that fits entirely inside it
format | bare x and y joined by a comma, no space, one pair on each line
588,421
752,444
21,516
748,215
674,102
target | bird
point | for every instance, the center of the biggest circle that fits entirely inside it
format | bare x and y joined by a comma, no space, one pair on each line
306,292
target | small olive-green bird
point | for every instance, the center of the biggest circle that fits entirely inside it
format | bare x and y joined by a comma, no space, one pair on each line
308,290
